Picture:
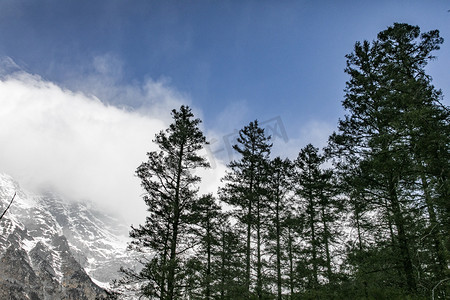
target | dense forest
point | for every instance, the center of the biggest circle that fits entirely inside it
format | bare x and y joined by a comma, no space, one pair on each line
367,217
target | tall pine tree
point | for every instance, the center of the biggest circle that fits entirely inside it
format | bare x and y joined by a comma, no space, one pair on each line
278,189
170,193
315,192
243,189
392,107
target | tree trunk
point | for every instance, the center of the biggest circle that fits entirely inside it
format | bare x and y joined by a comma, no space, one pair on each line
222,267
360,245
435,229
278,250
249,235
291,263
258,250
327,246
173,242
248,257
313,241
402,238
172,259
163,264
208,266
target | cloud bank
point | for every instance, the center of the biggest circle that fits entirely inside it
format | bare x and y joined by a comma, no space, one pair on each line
77,145
88,147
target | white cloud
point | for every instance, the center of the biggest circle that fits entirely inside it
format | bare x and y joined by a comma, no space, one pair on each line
234,115
286,141
85,148
314,132
103,77
79,146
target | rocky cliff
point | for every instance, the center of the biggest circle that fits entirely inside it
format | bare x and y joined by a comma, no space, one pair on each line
51,249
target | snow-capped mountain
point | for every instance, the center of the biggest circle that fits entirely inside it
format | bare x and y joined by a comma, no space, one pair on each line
52,249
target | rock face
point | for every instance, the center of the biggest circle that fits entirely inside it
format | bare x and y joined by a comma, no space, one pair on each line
50,249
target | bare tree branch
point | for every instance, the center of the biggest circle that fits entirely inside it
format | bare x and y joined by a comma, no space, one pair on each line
8,206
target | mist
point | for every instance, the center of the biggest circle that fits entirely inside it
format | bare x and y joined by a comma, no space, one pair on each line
78,146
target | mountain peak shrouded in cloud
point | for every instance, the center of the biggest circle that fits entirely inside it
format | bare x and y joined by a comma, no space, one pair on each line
54,138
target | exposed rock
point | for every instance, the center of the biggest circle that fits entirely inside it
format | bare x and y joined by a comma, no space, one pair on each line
37,260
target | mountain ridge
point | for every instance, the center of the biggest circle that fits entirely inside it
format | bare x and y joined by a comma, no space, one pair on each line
53,249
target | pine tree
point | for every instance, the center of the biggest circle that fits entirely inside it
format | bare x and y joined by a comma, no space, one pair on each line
330,213
207,216
278,189
293,224
243,190
307,175
170,192
387,138
230,263
315,193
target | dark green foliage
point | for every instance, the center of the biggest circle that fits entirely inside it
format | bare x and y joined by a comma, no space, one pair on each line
231,273
308,190
373,227
244,189
385,151
278,188
206,214
315,196
170,194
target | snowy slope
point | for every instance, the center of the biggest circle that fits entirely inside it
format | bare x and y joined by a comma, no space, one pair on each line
59,242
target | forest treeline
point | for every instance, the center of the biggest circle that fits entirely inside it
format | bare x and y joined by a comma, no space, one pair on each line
367,217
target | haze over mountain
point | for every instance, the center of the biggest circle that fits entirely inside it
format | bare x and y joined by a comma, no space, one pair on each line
53,249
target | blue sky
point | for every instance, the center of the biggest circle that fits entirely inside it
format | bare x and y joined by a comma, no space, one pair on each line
275,57
233,61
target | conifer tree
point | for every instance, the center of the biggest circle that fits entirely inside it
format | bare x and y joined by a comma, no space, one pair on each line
315,194
170,192
392,107
278,188
293,224
231,268
243,189
307,176
206,216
